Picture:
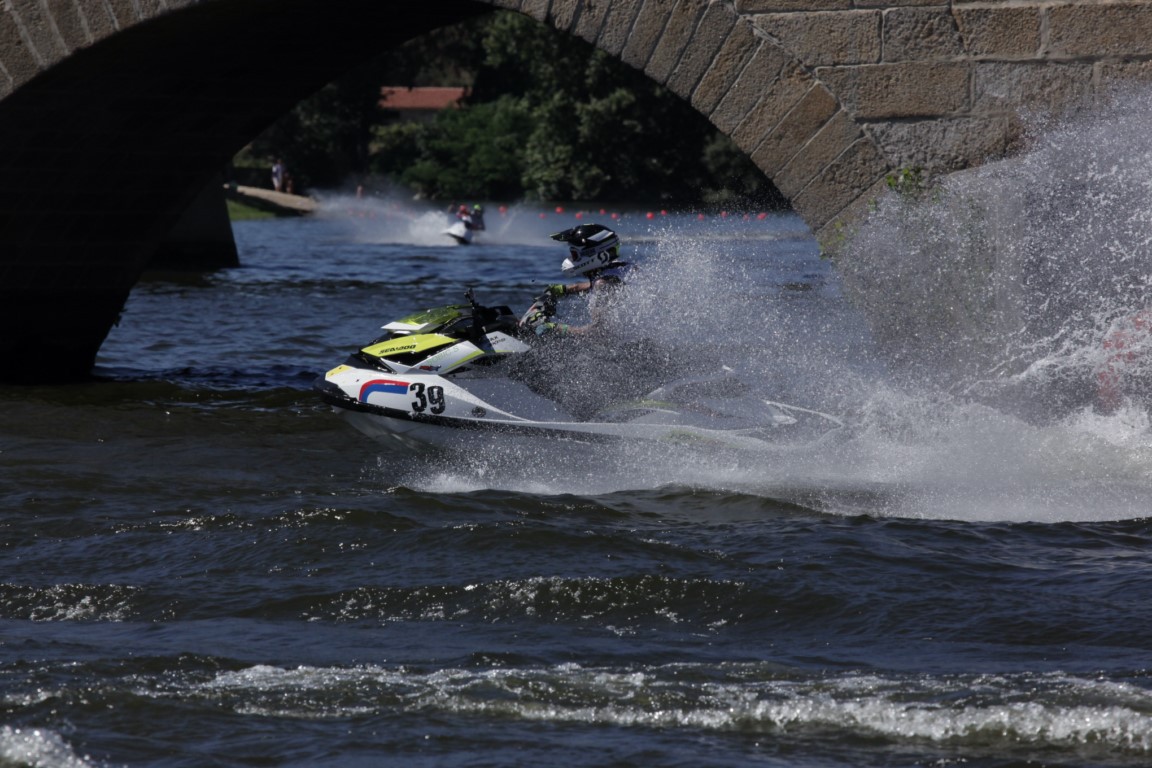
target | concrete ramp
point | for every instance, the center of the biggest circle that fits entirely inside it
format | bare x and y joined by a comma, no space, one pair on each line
280,203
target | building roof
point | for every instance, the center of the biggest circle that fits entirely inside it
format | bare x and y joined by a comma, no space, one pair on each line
401,98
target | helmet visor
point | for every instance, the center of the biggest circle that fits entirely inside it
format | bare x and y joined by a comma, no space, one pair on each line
589,251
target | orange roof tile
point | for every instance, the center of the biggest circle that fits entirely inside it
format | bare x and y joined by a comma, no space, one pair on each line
421,98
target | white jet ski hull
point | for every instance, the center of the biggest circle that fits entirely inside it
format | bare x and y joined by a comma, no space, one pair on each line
434,411
460,233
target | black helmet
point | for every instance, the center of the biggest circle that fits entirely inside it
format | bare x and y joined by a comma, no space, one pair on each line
591,246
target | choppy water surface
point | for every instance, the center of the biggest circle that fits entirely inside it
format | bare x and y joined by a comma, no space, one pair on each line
203,566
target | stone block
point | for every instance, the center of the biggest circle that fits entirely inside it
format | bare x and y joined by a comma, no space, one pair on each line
123,12
826,38
908,89
789,6
726,66
66,16
1121,29
618,25
537,9
713,29
836,135
943,145
646,32
99,21
591,19
682,26
1119,74
895,3
835,235
763,70
999,32
920,34
774,103
1051,87
15,59
795,129
562,13
150,8
37,25
853,174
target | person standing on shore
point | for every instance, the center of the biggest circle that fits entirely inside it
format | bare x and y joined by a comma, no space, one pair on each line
278,175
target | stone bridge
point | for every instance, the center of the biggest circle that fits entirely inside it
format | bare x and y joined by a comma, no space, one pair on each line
115,115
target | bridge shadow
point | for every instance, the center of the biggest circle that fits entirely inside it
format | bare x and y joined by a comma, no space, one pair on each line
103,152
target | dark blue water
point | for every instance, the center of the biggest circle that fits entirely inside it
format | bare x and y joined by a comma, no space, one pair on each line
203,566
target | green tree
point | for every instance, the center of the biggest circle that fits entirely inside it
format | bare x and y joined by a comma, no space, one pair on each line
548,118
472,152
602,131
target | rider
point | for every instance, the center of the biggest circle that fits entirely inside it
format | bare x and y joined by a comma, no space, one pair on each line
594,252
464,215
1126,348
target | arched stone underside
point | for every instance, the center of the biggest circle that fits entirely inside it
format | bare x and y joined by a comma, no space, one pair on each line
829,97
115,114
750,84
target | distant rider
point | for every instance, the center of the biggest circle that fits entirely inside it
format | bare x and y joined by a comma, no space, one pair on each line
594,252
464,215
1126,348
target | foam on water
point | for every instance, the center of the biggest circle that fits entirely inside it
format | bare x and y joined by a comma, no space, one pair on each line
393,219
68,602
995,712
37,748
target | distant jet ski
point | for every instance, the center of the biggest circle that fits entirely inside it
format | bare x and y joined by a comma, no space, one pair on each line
450,374
460,232
467,223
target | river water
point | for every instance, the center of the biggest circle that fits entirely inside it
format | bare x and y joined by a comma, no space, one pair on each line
204,566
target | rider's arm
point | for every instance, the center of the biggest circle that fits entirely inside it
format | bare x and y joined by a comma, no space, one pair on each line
569,289
598,311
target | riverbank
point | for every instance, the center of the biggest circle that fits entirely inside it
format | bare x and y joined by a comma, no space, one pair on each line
257,203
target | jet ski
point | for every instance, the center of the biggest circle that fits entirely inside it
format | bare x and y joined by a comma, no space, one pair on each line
460,232
466,223
442,377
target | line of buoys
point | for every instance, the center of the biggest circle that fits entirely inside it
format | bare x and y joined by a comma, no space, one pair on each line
396,209
650,215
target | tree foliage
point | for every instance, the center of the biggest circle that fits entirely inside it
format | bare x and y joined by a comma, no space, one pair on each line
548,118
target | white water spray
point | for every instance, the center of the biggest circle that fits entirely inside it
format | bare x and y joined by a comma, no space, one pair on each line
391,218
992,304
1007,278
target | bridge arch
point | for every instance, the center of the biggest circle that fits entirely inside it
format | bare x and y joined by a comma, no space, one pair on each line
115,114
748,83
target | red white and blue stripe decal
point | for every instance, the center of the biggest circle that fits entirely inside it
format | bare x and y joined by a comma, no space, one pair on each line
386,386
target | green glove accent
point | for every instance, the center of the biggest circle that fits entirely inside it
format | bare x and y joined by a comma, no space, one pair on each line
558,290
552,328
